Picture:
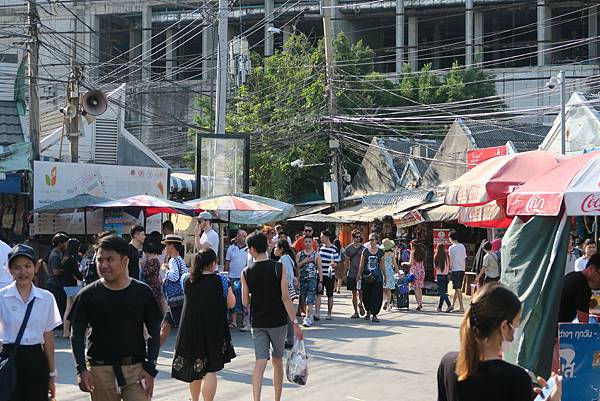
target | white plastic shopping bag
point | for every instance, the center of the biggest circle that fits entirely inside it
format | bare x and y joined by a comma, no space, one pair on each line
297,364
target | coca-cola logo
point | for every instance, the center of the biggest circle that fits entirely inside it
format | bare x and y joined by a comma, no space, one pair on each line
534,204
590,203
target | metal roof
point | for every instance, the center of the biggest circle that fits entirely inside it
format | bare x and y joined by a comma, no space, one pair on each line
10,124
524,136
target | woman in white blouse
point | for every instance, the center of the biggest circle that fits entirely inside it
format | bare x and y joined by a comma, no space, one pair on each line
34,357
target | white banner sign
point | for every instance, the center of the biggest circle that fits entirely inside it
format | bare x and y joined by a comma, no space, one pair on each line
54,181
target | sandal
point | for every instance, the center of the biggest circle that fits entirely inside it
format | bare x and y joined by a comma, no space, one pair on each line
419,307
449,310
355,316
385,305
375,319
368,316
232,325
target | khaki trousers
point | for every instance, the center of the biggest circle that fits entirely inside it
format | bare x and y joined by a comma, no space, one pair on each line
106,385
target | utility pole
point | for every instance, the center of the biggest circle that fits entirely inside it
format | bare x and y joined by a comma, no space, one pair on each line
334,144
222,55
34,100
72,111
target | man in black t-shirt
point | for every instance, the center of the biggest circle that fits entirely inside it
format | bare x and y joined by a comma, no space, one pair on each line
577,292
116,308
138,236
265,291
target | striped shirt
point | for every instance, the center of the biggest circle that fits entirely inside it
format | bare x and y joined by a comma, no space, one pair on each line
328,254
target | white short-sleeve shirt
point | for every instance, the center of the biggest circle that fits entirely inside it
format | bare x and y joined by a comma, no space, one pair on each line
212,238
44,315
458,257
581,264
237,257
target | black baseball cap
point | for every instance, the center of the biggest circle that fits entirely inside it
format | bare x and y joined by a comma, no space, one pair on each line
21,250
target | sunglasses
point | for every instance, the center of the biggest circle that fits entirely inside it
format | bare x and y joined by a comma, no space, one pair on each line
308,231
356,236
372,239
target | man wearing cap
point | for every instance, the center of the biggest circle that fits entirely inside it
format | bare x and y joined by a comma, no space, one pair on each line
205,236
56,273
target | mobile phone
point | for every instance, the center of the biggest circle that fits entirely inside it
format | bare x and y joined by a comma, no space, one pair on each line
143,384
546,390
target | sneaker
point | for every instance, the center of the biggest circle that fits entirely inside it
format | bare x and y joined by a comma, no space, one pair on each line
375,319
328,317
355,316
368,316
306,322
246,328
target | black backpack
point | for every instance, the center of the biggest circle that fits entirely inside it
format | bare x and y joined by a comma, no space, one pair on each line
90,273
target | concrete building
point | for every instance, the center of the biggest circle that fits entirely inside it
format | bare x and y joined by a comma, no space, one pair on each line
165,51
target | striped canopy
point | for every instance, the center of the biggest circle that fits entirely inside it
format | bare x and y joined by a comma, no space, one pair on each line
229,203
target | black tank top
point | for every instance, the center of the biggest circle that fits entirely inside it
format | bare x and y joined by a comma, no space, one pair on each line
264,282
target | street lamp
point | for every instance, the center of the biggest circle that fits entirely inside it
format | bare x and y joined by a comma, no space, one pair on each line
559,79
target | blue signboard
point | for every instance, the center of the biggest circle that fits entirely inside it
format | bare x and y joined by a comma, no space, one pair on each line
580,361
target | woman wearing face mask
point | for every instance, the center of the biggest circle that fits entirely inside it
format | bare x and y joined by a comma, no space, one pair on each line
477,372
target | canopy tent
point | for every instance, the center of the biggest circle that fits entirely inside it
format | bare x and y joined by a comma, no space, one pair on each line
441,213
381,205
496,178
320,218
533,258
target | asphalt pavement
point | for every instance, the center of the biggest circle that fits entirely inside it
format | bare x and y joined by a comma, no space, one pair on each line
350,359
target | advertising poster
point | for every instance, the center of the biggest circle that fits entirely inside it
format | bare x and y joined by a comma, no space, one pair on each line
54,181
441,236
580,361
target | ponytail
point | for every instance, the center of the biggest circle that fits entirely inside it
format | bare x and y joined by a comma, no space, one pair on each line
492,305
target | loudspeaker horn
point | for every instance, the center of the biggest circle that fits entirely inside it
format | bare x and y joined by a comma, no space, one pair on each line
95,103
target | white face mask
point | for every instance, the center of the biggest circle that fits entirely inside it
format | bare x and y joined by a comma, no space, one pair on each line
511,347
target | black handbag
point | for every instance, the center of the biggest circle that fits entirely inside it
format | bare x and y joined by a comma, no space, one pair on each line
8,367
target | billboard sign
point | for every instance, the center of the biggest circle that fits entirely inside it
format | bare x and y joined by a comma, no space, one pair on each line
478,156
54,181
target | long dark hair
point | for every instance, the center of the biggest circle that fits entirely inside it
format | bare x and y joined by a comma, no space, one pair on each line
179,248
440,257
419,251
492,305
72,248
203,259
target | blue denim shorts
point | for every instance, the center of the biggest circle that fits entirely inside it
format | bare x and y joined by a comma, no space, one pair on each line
236,287
308,290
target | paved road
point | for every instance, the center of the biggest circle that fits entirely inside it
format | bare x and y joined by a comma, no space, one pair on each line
350,360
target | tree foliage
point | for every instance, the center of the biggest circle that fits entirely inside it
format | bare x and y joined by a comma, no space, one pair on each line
284,98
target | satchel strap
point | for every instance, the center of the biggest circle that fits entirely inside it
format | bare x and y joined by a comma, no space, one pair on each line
24,323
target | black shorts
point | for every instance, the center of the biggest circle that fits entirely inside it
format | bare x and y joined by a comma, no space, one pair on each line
328,284
457,279
351,283
173,316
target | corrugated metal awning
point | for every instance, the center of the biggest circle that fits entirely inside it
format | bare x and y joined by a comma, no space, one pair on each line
368,212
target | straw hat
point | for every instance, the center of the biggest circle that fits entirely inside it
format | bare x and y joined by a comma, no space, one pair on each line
171,238
388,244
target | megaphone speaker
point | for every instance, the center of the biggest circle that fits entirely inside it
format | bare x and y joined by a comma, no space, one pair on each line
95,103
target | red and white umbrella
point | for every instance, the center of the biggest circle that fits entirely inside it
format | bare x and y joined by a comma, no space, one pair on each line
496,178
230,203
150,205
575,181
490,215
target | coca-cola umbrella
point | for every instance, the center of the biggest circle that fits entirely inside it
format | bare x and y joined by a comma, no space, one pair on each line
490,215
495,178
575,181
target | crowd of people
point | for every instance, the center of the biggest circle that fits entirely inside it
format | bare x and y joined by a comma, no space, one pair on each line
140,291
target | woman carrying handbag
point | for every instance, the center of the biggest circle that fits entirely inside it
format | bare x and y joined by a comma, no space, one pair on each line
28,316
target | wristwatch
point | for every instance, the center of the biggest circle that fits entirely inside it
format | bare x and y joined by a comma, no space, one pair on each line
53,373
